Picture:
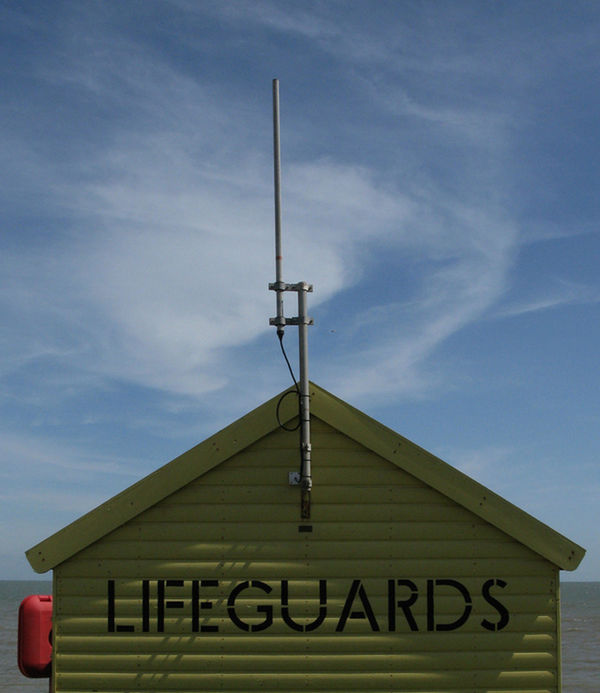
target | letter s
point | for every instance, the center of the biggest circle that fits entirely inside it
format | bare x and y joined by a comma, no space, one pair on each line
500,608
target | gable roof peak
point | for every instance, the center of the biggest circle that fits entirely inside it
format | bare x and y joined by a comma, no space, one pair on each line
266,418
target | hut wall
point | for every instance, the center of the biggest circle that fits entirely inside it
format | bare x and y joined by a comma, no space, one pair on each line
220,586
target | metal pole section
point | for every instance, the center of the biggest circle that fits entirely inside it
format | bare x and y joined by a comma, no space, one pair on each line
279,320
305,446
303,321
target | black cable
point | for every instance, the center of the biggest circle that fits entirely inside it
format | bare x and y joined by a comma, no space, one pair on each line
289,392
288,363
282,425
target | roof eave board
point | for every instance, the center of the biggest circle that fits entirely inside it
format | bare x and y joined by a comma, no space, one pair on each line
159,484
446,479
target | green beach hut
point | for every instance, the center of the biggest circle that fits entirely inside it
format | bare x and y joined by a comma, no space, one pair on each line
408,576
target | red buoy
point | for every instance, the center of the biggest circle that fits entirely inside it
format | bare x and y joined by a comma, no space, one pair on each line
35,636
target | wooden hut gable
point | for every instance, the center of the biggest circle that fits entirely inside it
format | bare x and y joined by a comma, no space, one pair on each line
407,576
240,444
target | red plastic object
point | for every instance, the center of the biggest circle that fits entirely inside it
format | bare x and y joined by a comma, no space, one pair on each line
35,636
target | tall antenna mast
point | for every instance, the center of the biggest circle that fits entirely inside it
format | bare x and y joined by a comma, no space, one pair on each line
280,320
302,321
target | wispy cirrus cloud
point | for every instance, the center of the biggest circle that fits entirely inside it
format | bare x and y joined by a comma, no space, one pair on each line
562,293
43,456
169,231
483,463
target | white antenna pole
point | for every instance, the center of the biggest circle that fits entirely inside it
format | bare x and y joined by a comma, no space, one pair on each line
303,321
277,180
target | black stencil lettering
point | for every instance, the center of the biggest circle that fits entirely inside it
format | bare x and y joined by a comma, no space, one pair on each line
174,603
322,608
208,605
266,609
402,594
231,605
160,606
263,608
492,601
404,605
357,589
285,613
430,606
146,606
111,606
111,612
462,619
195,607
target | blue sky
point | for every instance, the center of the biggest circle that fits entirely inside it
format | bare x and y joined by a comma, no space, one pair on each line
440,174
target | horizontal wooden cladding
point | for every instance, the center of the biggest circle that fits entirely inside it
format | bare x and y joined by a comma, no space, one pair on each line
172,511
363,473
538,593
179,625
370,521
261,493
489,681
325,436
341,461
298,663
294,568
150,530
539,644
92,612
305,601
305,605
193,549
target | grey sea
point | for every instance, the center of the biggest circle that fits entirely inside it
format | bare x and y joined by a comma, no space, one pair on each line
580,636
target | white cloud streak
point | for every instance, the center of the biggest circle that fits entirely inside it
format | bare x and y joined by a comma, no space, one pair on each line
565,294
169,253
45,457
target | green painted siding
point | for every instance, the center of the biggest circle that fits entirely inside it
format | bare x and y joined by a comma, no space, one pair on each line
161,602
